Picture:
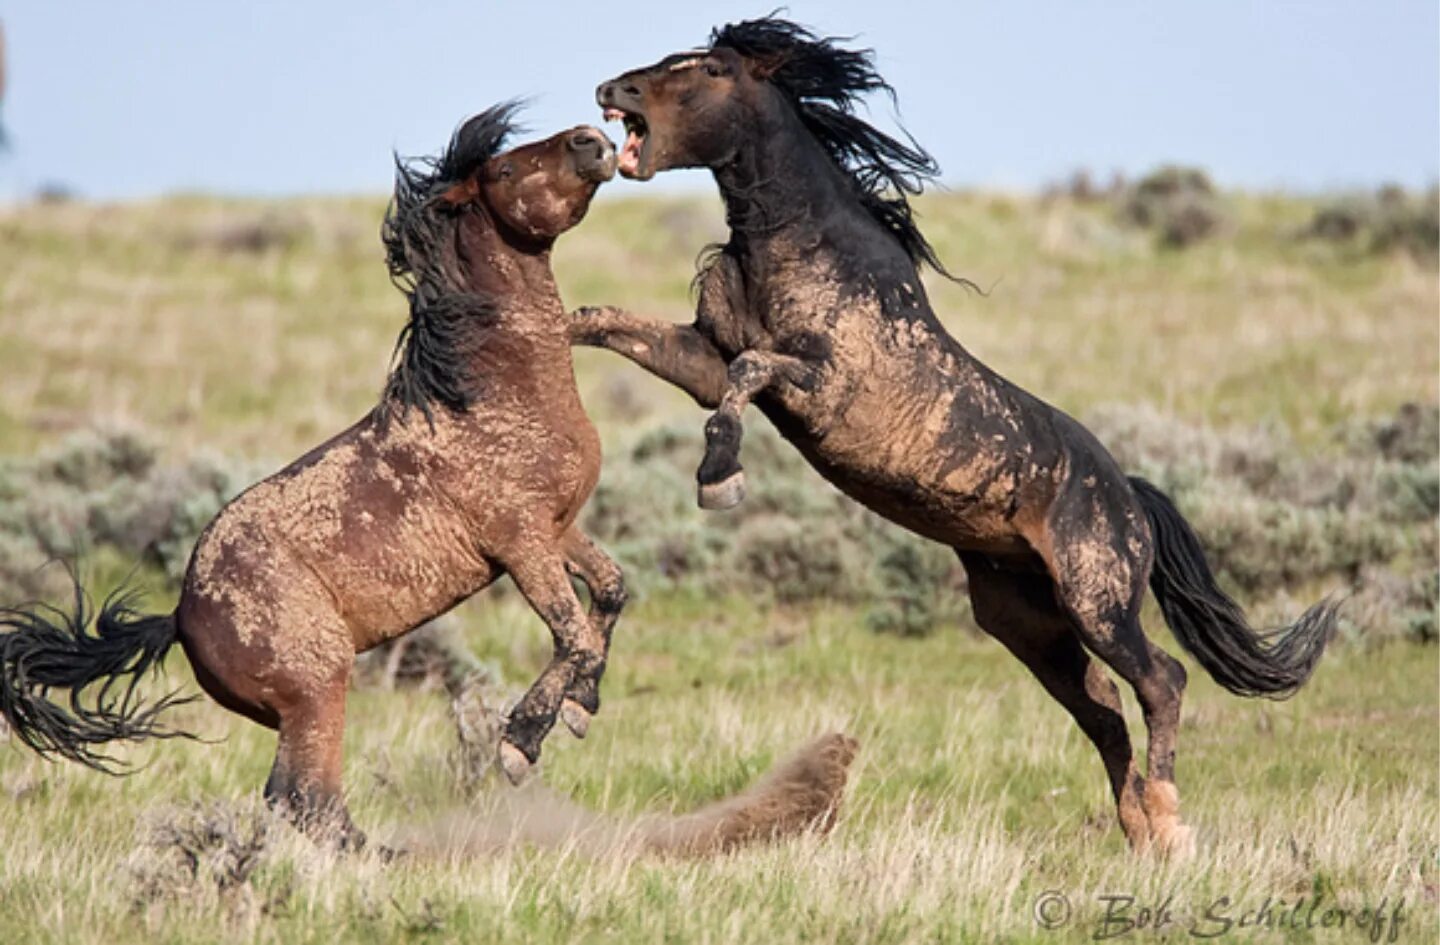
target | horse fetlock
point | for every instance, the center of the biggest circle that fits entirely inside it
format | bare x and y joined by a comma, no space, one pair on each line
319,815
722,433
585,692
1169,836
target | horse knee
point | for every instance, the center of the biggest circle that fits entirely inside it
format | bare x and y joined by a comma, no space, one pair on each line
611,595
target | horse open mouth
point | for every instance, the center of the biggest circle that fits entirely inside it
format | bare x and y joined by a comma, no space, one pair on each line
634,158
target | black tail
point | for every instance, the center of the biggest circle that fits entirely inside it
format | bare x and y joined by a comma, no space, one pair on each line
1212,627
44,648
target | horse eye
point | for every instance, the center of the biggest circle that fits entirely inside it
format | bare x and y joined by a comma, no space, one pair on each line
506,170
713,70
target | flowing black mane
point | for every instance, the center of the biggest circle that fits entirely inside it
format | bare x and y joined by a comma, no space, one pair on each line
825,83
432,355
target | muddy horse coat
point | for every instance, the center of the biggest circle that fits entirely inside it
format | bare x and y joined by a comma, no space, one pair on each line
475,464
814,309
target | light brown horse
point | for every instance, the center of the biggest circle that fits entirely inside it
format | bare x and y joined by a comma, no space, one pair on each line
475,464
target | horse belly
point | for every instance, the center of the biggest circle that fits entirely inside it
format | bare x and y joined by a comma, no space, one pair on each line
393,579
895,445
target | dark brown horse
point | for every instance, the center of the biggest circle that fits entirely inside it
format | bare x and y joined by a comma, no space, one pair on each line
475,464
815,309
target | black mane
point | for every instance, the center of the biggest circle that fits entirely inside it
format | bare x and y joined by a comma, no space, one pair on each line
825,83
432,355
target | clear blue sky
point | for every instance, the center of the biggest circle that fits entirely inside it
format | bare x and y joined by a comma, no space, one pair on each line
128,98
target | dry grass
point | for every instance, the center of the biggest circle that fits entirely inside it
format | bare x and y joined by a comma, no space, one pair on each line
133,313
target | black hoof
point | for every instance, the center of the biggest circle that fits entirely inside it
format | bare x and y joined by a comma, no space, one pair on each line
722,450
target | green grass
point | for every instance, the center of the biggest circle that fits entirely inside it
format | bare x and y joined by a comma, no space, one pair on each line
973,794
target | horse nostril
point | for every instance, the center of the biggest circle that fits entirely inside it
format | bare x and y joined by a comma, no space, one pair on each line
584,141
632,90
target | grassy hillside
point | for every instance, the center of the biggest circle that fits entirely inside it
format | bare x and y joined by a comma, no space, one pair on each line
1261,375
258,328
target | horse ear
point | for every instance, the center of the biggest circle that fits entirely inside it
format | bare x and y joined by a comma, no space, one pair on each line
463,192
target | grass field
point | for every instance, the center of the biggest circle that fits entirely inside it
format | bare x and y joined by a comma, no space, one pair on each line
253,330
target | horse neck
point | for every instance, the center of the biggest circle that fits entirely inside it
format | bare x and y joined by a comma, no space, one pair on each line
782,188
521,282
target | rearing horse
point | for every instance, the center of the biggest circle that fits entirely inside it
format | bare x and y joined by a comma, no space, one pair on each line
475,464
814,309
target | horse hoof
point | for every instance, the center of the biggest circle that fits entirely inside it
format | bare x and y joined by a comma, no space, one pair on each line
514,763
575,717
1176,843
725,494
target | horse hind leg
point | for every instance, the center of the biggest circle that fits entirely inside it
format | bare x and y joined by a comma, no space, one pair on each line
1160,692
1020,610
287,668
305,782
1101,587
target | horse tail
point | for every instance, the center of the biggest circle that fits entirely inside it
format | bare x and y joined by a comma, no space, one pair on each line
44,648
802,793
1212,627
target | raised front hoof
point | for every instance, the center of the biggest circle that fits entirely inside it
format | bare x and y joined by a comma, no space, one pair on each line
514,763
576,718
725,494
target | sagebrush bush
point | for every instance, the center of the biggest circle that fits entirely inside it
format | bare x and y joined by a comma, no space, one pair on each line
106,489
795,539
917,587
432,656
1272,516
1389,220
1179,204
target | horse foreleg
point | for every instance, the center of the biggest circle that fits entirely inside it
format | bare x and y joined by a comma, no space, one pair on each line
602,577
721,478
579,652
679,354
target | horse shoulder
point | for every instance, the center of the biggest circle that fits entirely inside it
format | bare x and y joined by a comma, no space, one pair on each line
723,313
